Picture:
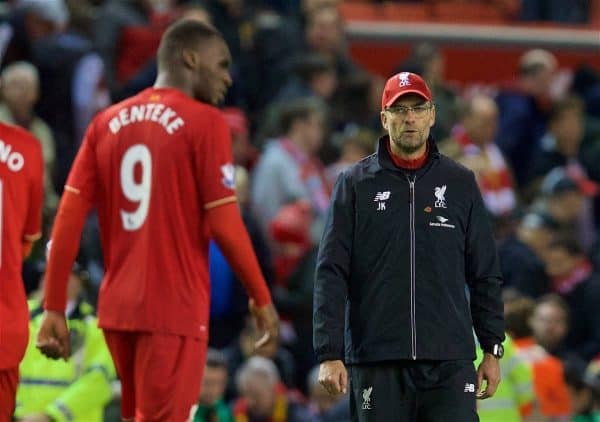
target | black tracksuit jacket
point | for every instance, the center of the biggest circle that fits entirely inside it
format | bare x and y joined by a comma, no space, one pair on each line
394,261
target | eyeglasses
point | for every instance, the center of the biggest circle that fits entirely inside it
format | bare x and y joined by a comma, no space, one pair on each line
418,111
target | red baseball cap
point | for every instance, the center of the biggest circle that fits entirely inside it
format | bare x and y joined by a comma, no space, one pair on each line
403,83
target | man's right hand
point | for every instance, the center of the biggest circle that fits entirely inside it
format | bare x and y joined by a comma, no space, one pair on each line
53,338
333,376
267,321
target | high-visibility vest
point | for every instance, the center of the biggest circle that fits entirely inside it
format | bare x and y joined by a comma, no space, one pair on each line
515,389
76,390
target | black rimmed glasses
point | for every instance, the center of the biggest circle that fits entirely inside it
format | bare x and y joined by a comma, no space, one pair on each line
418,110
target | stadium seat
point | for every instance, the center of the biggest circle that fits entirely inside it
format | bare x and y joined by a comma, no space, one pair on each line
402,12
357,10
455,12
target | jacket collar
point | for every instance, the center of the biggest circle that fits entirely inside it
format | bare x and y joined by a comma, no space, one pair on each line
384,160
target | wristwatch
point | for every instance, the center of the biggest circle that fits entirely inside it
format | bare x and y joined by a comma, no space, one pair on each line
497,350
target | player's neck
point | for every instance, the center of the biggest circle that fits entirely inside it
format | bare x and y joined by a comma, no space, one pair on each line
170,80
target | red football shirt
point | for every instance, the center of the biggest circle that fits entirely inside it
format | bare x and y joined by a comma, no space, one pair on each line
152,165
21,175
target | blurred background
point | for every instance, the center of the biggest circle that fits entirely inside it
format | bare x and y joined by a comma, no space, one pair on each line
516,85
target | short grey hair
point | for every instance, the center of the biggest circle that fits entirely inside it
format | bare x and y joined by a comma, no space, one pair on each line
257,365
17,67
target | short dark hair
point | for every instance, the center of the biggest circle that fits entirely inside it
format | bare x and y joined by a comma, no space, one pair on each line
300,109
517,313
181,35
216,359
308,66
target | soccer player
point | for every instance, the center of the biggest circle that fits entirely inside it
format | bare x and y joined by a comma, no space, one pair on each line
21,184
158,168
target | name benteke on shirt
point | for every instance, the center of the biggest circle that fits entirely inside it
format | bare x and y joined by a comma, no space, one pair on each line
154,112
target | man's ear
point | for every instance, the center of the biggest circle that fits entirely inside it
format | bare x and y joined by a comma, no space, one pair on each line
384,120
190,59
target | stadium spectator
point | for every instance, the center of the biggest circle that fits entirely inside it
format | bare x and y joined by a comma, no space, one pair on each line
354,144
549,386
145,76
522,253
313,76
289,169
584,386
427,60
159,169
211,406
407,348
20,87
473,141
550,323
568,201
356,103
573,278
524,111
243,349
21,186
28,22
263,397
78,389
244,153
127,34
560,146
514,398
324,34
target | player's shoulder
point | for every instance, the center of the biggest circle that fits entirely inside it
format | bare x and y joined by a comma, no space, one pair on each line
206,117
206,111
18,137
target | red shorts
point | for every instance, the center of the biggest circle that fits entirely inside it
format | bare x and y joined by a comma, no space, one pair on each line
9,378
160,373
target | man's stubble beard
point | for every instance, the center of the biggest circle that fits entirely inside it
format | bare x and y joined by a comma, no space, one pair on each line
406,147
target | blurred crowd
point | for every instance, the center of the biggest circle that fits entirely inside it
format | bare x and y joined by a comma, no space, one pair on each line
300,111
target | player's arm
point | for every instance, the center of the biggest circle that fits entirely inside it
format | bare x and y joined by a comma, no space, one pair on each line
216,177
68,225
53,337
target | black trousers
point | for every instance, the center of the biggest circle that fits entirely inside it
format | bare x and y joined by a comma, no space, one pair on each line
413,391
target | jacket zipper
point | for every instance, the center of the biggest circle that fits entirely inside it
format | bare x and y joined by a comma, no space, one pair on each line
413,324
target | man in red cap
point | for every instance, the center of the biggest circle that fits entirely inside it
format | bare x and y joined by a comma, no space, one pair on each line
406,234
